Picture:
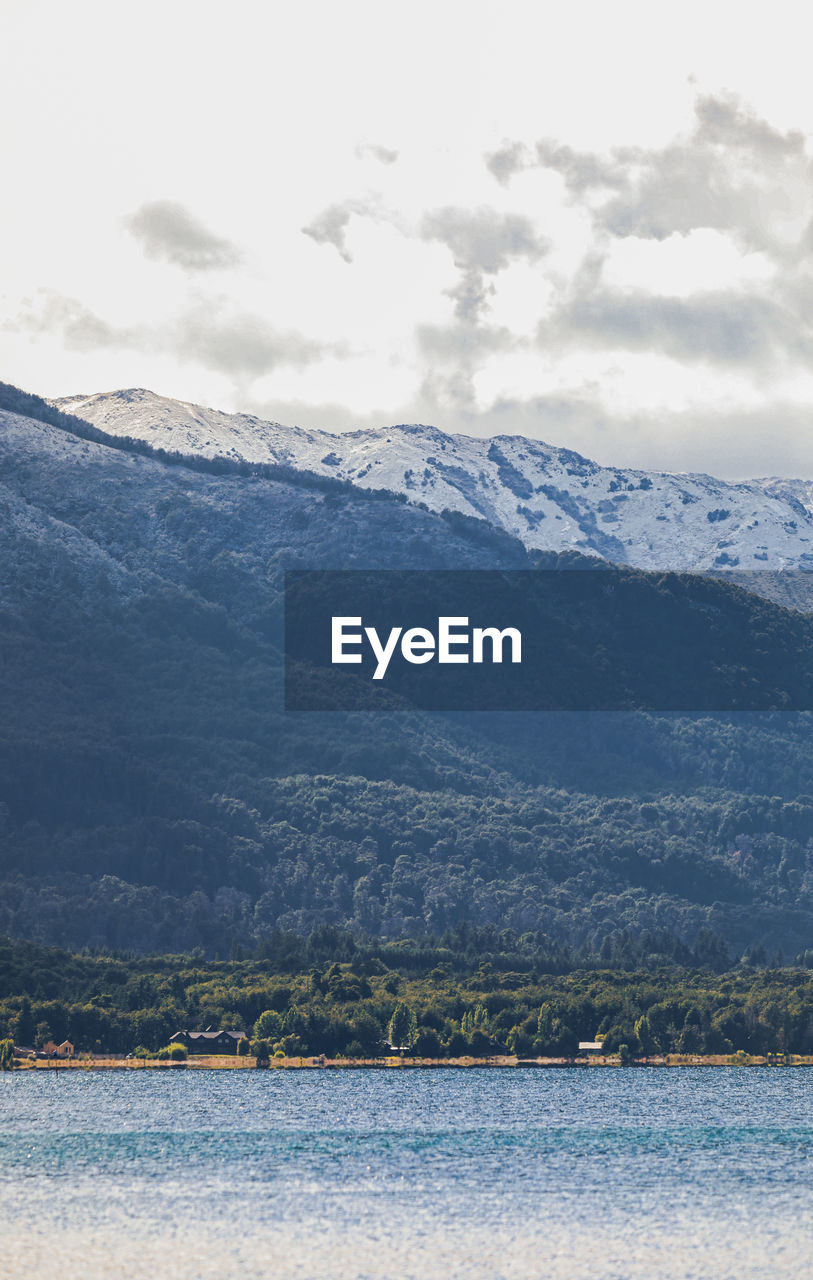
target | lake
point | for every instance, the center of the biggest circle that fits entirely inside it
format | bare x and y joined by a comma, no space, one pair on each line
684,1172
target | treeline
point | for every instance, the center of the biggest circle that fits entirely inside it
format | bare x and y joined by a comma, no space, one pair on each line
436,1000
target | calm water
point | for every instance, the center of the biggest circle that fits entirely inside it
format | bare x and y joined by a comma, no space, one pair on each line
617,1173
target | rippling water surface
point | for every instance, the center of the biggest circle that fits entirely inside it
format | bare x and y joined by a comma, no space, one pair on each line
701,1172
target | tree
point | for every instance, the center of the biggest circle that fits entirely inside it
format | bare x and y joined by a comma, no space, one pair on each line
268,1026
458,1045
480,1044
519,1042
646,1038
474,1020
261,1050
427,1044
690,1039
293,1047
367,1031
6,1055
403,1029
554,1039
23,1025
544,1024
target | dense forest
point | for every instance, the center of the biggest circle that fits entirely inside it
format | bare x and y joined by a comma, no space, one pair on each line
155,797
470,993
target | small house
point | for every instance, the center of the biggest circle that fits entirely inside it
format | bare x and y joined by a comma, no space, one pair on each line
590,1046
53,1050
209,1041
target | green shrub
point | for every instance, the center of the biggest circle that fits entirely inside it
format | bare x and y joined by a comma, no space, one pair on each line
173,1052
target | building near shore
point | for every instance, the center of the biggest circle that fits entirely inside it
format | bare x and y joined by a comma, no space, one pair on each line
209,1041
53,1050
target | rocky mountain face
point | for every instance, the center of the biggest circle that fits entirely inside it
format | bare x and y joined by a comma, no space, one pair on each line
549,498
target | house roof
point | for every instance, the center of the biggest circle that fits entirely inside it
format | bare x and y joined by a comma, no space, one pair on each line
212,1035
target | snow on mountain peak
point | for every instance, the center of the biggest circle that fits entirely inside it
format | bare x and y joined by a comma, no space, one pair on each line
549,497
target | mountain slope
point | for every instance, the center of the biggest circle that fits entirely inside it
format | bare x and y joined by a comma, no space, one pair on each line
549,498
154,796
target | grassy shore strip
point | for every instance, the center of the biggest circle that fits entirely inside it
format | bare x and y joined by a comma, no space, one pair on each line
198,1062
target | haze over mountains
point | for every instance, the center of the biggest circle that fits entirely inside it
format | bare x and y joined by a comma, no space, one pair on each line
549,498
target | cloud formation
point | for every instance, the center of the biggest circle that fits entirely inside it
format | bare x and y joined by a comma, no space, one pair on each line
482,243
453,354
508,159
80,328
372,151
735,328
330,226
482,239
241,344
733,172
716,327
238,344
168,232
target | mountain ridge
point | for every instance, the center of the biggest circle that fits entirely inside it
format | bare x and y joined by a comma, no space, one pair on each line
550,498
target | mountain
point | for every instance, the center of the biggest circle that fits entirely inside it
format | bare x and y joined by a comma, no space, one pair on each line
154,795
549,498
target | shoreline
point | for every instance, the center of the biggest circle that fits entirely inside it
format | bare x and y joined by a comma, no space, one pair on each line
203,1062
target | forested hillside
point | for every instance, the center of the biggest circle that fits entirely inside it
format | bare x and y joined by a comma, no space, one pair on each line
155,797
478,992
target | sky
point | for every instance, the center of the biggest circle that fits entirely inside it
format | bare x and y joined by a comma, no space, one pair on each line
590,224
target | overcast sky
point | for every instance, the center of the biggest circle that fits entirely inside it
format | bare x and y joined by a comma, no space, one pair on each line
591,224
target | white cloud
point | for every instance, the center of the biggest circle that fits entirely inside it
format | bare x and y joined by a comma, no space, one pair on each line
512,223
169,232
332,224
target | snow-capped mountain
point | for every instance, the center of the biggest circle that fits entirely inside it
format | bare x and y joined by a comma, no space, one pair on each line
549,497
